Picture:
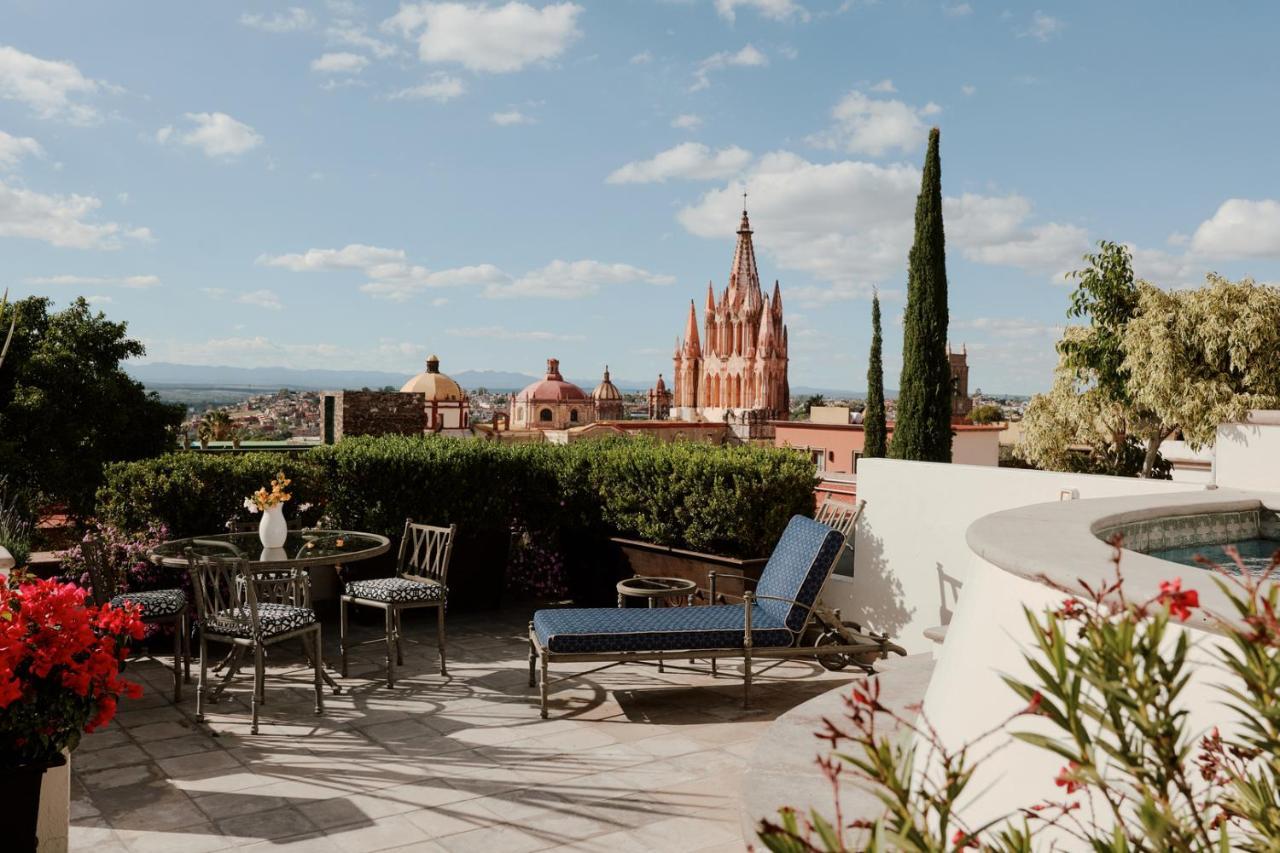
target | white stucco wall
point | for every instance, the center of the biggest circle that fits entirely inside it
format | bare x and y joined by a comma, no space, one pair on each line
910,554
1247,456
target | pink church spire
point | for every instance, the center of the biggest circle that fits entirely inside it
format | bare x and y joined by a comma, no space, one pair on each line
691,344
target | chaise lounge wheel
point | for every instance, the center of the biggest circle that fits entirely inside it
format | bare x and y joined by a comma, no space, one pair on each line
834,661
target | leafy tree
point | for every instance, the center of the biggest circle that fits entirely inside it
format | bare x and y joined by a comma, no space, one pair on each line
806,406
873,424
1091,403
988,413
922,428
13,324
1197,358
66,407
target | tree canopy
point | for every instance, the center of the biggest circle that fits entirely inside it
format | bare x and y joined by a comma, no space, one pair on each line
922,427
67,407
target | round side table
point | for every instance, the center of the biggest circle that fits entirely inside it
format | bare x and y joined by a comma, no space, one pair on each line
655,589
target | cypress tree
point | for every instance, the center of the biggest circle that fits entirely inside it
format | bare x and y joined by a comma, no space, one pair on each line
922,427
873,424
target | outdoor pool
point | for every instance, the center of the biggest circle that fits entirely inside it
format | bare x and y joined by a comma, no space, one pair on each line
1255,554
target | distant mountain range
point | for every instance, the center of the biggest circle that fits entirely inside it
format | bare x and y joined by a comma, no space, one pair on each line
161,374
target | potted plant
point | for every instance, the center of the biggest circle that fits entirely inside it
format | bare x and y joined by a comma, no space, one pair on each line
60,662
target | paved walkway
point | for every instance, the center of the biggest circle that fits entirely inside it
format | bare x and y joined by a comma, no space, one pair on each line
630,759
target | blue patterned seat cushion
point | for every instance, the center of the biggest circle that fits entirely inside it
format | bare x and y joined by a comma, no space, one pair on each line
154,603
798,569
644,629
273,619
397,590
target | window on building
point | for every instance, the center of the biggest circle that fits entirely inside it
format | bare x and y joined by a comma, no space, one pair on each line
819,458
573,416
856,457
545,415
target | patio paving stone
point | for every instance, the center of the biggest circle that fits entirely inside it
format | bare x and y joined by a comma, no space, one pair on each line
631,759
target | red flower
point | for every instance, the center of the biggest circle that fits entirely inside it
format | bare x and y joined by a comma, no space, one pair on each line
1068,779
1033,707
961,840
1178,601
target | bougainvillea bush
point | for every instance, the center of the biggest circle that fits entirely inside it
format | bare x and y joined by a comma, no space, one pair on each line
1108,676
60,660
126,556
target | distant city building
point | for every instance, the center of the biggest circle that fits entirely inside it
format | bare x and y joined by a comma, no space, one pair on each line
961,403
659,401
608,399
445,404
736,372
551,403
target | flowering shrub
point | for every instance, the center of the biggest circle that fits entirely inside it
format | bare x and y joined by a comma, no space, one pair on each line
534,566
126,556
60,662
1108,677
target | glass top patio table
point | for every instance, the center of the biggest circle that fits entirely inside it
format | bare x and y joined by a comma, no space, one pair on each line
301,548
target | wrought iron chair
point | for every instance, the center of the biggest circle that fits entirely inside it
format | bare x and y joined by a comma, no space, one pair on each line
422,570
228,593
158,607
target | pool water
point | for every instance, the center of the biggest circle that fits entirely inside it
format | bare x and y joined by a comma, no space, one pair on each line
1254,553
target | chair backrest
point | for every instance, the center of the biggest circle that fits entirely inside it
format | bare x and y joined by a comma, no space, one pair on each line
425,551
798,569
840,516
103,581
224,591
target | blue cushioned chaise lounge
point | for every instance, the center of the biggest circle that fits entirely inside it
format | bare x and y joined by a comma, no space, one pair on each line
769,623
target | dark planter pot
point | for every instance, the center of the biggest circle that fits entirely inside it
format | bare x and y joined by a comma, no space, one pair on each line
592,570
20,792
645,558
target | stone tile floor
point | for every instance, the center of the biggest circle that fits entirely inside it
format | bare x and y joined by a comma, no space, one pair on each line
630,760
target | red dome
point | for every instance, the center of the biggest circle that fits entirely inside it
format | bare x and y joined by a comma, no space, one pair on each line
551,388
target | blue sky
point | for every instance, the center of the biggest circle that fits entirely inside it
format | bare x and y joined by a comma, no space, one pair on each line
358,184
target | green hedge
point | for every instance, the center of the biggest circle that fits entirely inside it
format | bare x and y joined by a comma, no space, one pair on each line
732,501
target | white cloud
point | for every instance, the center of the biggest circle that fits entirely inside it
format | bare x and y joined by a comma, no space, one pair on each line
691,161
849,224
60,220
496,39
777,10
291,20
957,10
510,117
573,279
968,89
14,148
355,35
216,134
884,87
748,57
687,121
47,86
261,299
400,282
339,63
99,299
865,125
247,351
354,256
503,333
133,282
644,57
1240,228
440,87
1043,27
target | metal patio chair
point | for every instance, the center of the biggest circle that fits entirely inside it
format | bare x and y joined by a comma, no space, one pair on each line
157,606
422,571
228,593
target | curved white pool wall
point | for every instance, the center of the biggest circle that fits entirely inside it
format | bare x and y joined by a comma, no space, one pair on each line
911,561
1019,555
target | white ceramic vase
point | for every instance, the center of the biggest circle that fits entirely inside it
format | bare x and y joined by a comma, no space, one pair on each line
272,530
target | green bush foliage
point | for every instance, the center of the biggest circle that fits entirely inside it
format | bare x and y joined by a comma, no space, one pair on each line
732,501
198,493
